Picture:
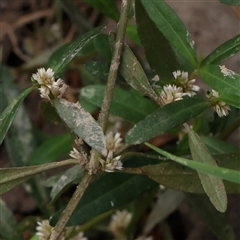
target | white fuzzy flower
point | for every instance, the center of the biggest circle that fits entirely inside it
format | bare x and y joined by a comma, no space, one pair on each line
43,230
220,107
47,84
113,143
77,155
119,222
171,93
44,77
186,83
110,164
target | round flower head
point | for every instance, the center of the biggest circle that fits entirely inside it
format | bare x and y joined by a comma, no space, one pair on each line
220,107
110,164
119,222
171,93
186,83
44,77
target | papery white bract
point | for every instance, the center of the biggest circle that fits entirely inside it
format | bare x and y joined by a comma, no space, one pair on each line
171,93
113,143
43,230
186,83
44,77
111,163
220,107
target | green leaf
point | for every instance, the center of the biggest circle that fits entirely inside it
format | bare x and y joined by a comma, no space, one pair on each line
8,223
176,176
131,31
49,113
166,118
98,69
218,222
231,2
52,149
223,52
8,115
124,102
69,52
221,79
82,124
65,180
216,146
132,71
107,7
172,28
159,53
224,173
107,192
212,185
11,177
231,99
101,43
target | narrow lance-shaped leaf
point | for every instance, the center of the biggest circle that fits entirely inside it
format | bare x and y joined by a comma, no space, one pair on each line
221,79
72,50
231,99
10,112
52,149
230,2
124,102
176,176
11,177
212,185
172,28
107,192
158,50
224,173
223,52
132,71
165,118
81,123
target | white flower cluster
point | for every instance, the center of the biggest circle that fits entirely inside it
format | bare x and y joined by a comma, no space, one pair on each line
79,156
44,231
119,222
183,86
187,84
220,107
171,93
113,144
48,84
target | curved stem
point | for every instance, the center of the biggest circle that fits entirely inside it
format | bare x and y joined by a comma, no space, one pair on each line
229,130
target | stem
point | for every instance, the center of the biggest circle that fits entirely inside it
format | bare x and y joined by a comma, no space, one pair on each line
66,214
112,76
109,91
229,130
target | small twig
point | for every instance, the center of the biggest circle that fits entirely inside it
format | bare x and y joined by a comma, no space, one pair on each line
66,214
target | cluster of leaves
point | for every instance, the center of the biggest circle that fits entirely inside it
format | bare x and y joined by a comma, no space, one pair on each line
214,168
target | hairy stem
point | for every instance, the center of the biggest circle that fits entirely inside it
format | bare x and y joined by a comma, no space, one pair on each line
66,214
103,117
112,76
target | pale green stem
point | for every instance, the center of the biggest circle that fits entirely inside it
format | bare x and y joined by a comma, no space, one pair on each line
66,214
